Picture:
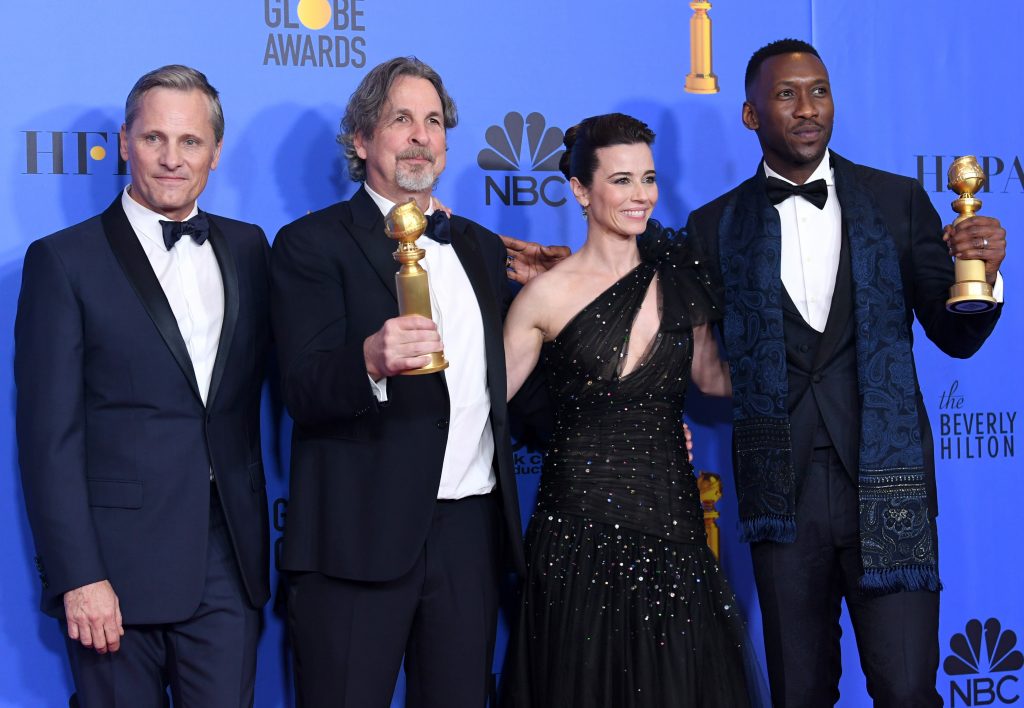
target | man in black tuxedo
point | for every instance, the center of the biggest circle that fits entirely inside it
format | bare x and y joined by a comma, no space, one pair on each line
824,264
140,345
403,506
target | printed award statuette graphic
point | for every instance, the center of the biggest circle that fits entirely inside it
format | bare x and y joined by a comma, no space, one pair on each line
701,78
710,486
971,292
405,223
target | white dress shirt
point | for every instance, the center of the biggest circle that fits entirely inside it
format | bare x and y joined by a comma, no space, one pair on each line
811,238
467,468
192,283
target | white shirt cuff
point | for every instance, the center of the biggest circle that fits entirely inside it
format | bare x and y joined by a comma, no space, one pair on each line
997,289
380,389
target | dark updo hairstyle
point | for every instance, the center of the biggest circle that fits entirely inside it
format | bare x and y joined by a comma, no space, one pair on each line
582,142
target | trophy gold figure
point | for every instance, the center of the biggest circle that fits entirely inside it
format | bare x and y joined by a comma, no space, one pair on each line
405,223
701,78
971,292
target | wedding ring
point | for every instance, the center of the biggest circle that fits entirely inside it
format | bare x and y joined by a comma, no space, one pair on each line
984,243
509,261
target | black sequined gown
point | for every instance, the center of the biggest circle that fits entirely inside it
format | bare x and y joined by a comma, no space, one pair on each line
623,604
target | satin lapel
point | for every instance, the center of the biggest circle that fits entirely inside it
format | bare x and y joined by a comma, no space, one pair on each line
367,229
128,251
467,248
229,276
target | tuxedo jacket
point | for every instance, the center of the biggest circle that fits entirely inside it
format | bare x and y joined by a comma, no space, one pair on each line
822,382
365,475
114,442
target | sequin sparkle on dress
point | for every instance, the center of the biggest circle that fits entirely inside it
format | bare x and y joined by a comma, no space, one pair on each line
624,605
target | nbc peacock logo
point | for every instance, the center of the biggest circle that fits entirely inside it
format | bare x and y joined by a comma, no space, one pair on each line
315,33
980,665
519,145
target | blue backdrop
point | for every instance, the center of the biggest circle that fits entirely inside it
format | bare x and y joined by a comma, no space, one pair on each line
915,83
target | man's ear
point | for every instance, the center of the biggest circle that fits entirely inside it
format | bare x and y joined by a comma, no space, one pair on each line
359,143
750,116
122,142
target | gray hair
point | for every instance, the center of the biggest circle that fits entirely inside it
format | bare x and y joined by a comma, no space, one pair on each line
365,104
179,78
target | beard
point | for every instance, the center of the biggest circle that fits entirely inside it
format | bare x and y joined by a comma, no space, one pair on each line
415,178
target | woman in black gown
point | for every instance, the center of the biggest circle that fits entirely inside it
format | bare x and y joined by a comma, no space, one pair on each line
623,604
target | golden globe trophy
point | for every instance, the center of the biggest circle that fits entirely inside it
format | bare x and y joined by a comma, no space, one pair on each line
405,223
701,78
971,292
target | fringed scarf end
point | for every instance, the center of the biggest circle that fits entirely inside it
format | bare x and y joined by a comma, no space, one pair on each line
780,529
899,579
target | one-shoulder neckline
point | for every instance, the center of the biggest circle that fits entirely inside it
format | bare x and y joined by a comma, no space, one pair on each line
648,347
579,313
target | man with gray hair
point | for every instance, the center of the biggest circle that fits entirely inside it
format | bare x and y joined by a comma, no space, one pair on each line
140,345
403,500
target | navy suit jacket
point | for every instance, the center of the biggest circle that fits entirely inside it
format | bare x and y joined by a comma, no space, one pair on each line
114,442
869,198
364,475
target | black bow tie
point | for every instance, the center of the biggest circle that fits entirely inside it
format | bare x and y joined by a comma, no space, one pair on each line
815,192
198,227
438,227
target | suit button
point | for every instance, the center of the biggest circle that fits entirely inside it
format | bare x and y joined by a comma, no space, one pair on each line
816,378
442,424
804,348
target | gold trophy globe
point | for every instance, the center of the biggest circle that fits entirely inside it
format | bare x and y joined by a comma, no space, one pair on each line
405,223
971,293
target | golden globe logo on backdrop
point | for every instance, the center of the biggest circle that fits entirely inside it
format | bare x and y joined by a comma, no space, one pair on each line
315,33
505,153
72,152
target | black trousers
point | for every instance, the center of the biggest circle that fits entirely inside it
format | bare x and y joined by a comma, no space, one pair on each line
207,660
801,585
349,637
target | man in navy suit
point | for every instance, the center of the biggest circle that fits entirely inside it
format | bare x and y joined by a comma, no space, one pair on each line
403,501
140,344
824,264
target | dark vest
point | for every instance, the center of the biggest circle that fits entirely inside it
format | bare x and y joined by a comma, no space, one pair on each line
824,404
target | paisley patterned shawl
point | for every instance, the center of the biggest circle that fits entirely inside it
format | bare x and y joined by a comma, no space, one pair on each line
897,547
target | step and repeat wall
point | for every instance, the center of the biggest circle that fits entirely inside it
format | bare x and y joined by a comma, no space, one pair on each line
916,83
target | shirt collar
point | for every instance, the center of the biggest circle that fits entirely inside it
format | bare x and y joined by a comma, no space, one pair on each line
385,205
822,171
146,222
